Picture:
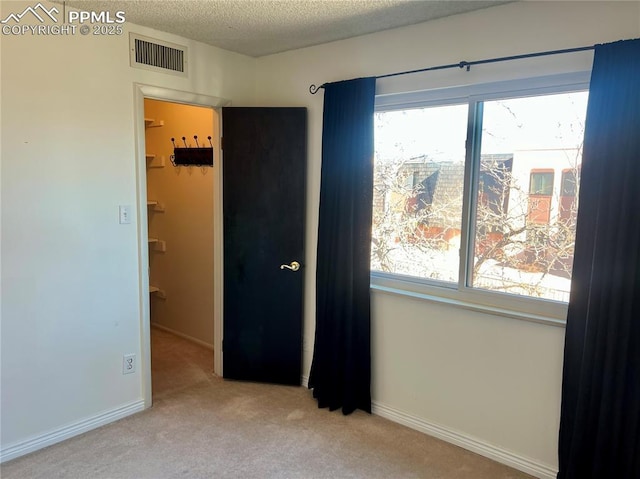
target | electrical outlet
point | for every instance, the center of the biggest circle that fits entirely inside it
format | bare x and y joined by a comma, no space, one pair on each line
128,363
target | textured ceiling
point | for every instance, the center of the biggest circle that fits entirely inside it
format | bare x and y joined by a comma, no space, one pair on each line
262,27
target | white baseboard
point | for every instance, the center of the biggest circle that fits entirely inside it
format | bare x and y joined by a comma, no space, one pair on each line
67,432
183,336
460,439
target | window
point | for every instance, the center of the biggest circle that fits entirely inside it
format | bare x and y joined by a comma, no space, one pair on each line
569,183
419,179
495,221
541,183
568,193
540,192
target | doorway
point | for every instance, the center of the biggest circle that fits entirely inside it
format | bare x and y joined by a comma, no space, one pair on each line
180,229
267,146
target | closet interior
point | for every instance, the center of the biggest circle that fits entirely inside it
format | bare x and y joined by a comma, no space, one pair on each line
181,152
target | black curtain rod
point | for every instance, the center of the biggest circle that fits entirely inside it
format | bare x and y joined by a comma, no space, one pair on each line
464,64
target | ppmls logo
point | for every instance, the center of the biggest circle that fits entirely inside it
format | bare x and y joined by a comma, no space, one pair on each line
86,23
34,11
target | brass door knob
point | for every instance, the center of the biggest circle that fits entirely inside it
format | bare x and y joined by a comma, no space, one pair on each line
294,266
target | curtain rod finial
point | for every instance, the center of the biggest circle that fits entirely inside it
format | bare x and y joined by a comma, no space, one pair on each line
313,89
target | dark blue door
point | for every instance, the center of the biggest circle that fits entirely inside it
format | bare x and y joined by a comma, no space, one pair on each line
264,176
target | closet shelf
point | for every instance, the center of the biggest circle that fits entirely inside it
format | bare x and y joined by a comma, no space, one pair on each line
155,206
157,292
151,123
157,245
153,162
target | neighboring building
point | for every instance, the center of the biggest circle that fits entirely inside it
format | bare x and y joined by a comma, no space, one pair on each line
527,195
436,196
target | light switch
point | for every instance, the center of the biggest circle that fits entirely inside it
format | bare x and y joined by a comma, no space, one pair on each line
125,214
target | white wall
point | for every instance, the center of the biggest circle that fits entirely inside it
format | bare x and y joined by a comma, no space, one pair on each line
184,272
489,383
70,279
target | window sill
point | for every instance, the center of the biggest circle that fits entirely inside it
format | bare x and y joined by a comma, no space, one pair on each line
471,306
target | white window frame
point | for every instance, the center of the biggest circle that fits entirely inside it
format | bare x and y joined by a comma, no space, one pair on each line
459,294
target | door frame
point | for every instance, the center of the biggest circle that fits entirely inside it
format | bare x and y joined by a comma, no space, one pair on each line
142,91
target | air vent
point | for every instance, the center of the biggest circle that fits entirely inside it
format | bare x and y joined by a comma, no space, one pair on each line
152,54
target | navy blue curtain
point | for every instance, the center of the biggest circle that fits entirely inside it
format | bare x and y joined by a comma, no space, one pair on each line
341,369
600,414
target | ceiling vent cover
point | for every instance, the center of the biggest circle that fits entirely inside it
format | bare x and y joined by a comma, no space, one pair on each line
151,54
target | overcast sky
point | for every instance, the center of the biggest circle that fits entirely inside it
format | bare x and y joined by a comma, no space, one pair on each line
551,121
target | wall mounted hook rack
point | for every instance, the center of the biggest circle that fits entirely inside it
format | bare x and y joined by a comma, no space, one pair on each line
189,156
